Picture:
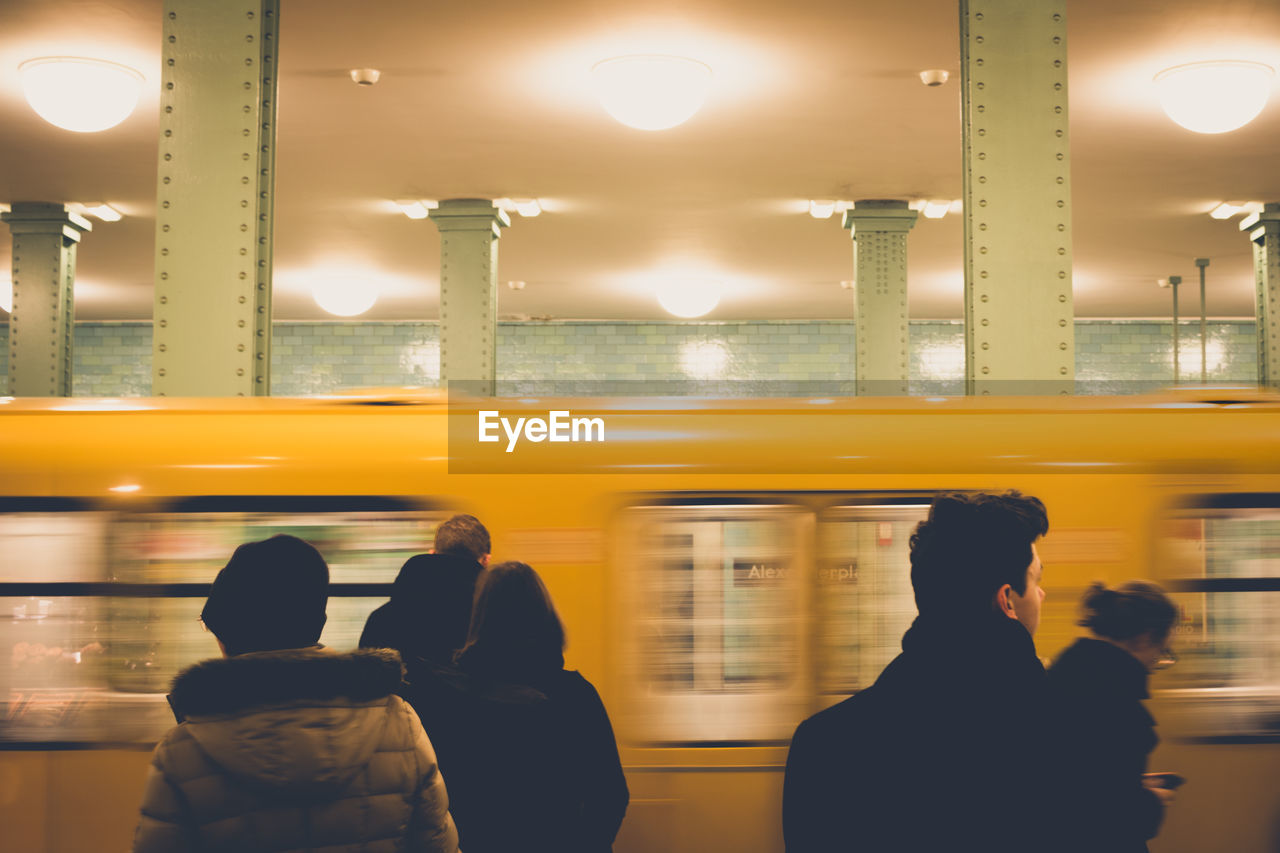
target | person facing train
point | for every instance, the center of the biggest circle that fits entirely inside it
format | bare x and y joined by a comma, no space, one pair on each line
527,745
430,607
940,753
1103,733
283,744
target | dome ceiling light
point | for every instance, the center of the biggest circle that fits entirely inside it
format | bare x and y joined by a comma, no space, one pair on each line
1214,97
651,92
81,95
688,299
344,297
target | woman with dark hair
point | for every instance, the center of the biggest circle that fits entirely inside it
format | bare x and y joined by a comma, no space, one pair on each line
1105,734
526,745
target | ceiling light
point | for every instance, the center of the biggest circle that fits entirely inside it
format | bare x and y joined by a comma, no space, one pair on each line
822,208
415,209
1225,210
526,206
105,212
344,296
651,92
516,285
1214,97
365,76
6,296
126,488
935,76
83,95
689,298
848,284
935,209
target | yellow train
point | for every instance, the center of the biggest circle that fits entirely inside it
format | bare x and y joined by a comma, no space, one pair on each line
724,568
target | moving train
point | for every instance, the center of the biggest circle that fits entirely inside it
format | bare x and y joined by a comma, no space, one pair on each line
724,568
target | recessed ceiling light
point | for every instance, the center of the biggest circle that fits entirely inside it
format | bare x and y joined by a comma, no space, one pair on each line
651,92
1214,97
78,94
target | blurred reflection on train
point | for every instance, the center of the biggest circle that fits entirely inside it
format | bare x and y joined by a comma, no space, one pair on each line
714,590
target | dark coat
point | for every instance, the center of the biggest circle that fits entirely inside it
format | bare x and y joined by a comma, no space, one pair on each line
1103,735
429,610
303,749
530,767
939,754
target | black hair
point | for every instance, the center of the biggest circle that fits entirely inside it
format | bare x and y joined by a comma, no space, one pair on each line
463,535
271,595
516,634
970,546
1131,610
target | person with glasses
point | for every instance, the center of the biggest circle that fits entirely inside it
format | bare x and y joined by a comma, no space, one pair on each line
1103,733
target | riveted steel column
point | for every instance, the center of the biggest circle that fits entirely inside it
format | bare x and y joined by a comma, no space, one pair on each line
216,186
469,231
1264,231
45,237
879,230
1019,334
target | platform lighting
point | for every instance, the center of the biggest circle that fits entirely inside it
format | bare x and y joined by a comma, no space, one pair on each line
651,92
79,94
105,212
936,209
526,206
1214,97
416,209
343,296
1224,211
689,298
821,208
6,296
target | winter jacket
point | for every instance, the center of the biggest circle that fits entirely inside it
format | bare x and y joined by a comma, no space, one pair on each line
941,753
303,749
531,767
429,610
1102,736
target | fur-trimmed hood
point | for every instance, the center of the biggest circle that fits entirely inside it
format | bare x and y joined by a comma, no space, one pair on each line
306,720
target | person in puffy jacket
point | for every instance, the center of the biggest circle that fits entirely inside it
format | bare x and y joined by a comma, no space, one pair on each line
282,744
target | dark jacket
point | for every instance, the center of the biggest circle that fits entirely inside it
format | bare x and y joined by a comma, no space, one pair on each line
303,749
429,610
1103,735
940,754
530,767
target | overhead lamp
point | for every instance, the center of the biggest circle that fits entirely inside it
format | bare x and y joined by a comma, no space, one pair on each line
105,212
344,296
1214,97
822,208
689,298
526,206
1224,211
416,209
82,95
935,209
6,296
651,92
516,285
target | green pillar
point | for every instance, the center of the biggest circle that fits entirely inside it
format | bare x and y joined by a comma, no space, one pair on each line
1264,231
469,231
214,197
1019,334
45,237
879,230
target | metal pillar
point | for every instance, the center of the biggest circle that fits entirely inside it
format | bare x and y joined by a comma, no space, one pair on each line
1019,334
212,310
45,237
1174,281
1204,324
1264,231
469,231
879,230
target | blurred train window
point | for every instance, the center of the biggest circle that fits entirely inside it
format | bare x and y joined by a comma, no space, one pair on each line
716,652
1224,557
864,600
92,634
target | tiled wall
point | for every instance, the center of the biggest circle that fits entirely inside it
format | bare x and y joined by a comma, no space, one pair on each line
1112,356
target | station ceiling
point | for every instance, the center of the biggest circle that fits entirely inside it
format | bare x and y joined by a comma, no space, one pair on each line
812,100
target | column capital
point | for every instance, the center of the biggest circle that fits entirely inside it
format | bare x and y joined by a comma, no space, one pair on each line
879,215
469,214
42,217
1261,224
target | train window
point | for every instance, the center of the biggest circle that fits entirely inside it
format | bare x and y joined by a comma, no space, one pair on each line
864,597
1224,557
41,543
716,598
88,651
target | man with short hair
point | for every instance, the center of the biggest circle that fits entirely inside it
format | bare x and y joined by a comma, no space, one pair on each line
285,745
430,607
940,754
